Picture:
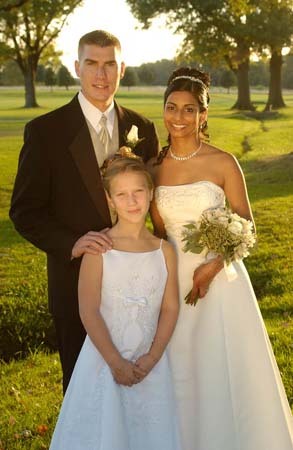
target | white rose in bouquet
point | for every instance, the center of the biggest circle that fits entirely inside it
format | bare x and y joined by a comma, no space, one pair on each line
235,227
220,232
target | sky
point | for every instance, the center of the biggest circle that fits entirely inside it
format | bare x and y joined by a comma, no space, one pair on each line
138,46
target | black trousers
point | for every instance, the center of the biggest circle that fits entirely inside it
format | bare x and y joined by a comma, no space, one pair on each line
70,337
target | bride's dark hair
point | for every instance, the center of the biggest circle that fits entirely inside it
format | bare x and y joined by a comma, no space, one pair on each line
191,80
197,83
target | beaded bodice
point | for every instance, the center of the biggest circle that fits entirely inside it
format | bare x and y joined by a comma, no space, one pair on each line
182,204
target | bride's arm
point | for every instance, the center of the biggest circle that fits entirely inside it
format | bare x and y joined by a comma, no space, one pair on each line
158,224
89,297
236,194
235,188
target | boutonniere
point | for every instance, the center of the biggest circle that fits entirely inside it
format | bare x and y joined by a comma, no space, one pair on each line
127,150
132,139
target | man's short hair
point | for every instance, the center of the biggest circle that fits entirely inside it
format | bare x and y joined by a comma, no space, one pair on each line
98,37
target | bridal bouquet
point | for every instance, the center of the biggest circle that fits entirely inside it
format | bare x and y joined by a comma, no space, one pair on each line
221,232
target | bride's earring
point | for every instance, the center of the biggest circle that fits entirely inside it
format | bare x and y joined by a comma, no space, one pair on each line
202,126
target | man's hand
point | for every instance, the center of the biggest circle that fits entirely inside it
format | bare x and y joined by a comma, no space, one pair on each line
93,242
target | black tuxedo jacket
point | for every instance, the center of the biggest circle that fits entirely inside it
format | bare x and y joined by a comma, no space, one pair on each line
58,194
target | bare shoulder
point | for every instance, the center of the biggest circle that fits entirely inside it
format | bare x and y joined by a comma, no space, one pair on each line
226,159
89,260
169,251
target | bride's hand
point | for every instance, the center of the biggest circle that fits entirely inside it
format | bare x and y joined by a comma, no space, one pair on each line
203,276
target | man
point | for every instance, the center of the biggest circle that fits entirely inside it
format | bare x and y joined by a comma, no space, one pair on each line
58,202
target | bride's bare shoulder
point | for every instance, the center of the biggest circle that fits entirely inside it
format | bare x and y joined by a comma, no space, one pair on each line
226,162
222,155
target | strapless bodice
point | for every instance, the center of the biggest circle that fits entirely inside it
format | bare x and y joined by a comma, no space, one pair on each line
182,204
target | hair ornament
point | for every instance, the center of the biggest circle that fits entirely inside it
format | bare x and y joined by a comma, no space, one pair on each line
188,77
123,152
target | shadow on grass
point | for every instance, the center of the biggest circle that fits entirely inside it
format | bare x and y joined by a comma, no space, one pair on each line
284,311
264,282
270,177
9,236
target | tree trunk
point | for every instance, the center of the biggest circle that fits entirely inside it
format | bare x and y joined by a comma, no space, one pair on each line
243,99
275,99
29,74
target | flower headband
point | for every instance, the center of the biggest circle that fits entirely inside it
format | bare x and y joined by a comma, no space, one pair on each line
188,77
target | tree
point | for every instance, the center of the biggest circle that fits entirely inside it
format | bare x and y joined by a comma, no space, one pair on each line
29,31
273,21
130,77
8,5
288,72
64,77
40,74
50,77
10,74
228,79
259,73
146,74
213,30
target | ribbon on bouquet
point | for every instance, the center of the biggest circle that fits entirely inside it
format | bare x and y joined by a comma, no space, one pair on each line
230,271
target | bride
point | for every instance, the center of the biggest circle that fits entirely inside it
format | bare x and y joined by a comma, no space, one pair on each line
228,388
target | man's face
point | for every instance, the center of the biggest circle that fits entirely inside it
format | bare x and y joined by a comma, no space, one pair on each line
100,70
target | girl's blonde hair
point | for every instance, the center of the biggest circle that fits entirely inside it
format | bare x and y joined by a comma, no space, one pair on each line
123,165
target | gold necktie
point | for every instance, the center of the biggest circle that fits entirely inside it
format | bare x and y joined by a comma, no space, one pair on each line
104,134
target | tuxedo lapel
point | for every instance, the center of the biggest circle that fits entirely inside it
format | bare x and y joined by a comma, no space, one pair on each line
83,154
124,124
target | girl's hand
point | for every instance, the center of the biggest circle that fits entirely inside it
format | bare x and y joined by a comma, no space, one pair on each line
123,372
202,278
143,366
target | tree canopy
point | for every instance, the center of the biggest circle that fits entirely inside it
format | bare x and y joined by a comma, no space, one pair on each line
217,29
28,31
8,5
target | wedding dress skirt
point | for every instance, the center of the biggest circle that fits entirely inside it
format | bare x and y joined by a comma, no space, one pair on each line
228,388
97,413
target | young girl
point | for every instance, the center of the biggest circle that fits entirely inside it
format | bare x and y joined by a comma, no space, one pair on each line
120,395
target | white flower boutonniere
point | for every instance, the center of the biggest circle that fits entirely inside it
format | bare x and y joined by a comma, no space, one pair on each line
132,138
127,150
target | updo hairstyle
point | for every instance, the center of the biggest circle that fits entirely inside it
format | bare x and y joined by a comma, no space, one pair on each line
197,83
191,80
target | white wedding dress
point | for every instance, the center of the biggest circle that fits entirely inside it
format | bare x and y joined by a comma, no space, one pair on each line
97,413
228,388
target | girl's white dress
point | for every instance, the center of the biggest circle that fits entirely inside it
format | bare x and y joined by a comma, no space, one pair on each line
97,413
228,388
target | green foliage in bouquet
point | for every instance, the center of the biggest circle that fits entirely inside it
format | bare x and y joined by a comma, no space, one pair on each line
221,232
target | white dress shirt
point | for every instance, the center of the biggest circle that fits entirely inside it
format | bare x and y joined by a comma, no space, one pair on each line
93,114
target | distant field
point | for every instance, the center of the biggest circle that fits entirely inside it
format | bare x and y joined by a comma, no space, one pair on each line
30,388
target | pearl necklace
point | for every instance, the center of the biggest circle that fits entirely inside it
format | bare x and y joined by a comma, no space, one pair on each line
184,158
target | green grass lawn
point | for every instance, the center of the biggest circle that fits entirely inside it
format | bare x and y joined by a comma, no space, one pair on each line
30,387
